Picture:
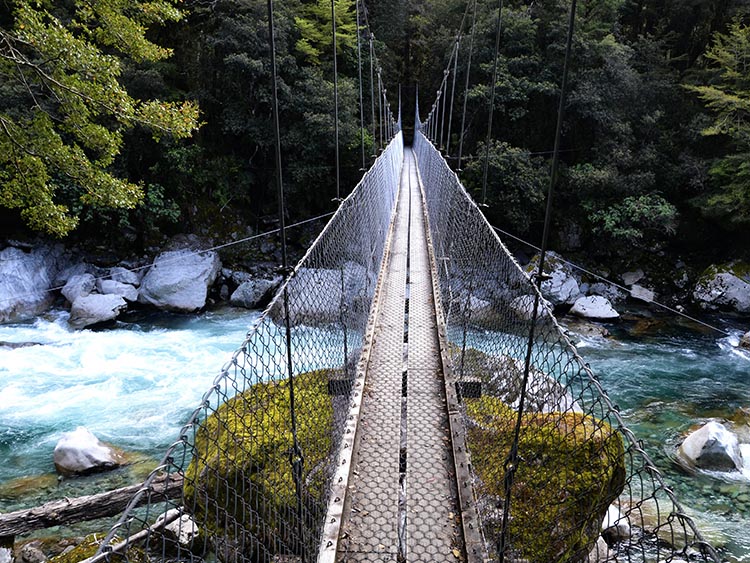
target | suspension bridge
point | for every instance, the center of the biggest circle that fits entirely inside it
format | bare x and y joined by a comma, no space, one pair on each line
407,396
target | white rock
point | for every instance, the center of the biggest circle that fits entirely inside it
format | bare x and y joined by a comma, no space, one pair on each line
594,307
123,275
79,285
712,447
615,526
250,294
179,280
6,555
611,292
95,308
745,341
726,286
25,281
32,554
629,278
600,553
80,452
181,528
642,293
523,307
124,290
562,287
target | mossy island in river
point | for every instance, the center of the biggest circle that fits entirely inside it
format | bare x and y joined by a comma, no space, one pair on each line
242,465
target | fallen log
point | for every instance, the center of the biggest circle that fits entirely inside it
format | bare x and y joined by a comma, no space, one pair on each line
89,507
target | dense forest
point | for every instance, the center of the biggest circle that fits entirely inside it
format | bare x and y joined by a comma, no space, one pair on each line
153,118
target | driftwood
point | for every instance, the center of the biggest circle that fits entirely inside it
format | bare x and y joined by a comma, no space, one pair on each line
89,507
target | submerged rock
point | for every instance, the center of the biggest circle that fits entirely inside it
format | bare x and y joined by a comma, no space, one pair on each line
80,452
712,447
179,280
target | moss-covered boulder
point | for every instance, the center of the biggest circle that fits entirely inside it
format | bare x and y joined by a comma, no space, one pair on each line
571,468
240,484
90,545
725,287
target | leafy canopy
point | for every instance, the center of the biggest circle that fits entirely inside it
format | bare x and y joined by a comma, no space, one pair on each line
63,109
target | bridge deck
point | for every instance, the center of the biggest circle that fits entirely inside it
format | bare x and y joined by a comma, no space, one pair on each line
402,498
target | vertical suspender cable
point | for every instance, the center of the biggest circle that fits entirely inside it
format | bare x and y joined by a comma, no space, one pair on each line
444,89
453,94
372,98
335,98
466,87
511,462
492,103
359,70
296,459
380,108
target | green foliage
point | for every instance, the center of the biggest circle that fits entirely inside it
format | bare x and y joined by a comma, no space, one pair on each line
572,468
316,33
71,127
631,220
728,97
248,440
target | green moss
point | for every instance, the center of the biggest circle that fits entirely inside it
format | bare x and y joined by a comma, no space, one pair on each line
88,548
240,479
738,269
572,468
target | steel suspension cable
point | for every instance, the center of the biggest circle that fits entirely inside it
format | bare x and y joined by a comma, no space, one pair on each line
335,99
466,86
453,94
498,29
443,89
511,462
380,109
359,71
372,97
296,458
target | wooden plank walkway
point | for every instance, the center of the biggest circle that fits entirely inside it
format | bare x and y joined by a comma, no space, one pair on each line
402,498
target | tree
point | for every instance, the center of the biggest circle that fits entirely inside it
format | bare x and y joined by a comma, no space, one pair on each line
63,110
316,33
728,96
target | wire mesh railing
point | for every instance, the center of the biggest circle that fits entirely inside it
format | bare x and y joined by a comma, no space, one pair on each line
256,458
583,488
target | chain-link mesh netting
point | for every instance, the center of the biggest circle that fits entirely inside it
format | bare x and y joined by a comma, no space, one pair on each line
255,459
582,489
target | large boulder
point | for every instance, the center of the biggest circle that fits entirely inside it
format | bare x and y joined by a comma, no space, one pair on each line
179,280
123,275
112,287
562,287
523,307
78,285
594,307
254,292
573,468
724,287
26,279
248,440
80,453
713,447
95,308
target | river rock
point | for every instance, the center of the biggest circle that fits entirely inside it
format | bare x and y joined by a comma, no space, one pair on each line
745,341
181,529
600,553
712,447
31,553
95,308
613,293
6,554
123,275
642,293
253,293
80,452
179,280
26,279
724,287
615,526
594,307
79,285
124,290
630,278
562,287
523,307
